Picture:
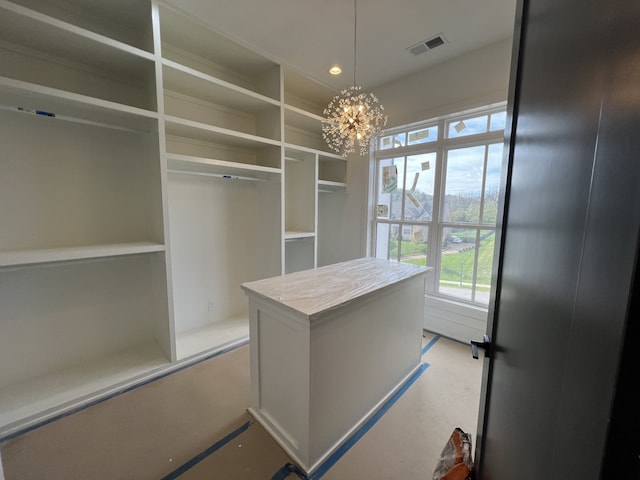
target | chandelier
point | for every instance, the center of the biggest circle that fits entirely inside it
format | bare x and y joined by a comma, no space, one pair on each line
354,118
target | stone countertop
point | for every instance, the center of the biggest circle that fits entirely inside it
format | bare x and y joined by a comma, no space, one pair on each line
315,292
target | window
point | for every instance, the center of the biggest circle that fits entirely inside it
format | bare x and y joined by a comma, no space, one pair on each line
436,200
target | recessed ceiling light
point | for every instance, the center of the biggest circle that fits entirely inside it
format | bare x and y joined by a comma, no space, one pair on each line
335,70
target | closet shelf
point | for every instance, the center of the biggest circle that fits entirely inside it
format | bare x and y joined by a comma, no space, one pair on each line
296,234
327,186
208,133
311,150
218,175
71,106
302,120
16,258
328,183
192,164
331,157
299,113
222,333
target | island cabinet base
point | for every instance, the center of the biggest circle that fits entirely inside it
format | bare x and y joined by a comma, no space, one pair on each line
316,378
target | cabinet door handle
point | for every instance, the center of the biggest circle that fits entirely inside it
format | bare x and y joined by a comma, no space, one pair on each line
485,344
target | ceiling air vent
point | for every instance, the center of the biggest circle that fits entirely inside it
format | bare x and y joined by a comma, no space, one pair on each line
428,44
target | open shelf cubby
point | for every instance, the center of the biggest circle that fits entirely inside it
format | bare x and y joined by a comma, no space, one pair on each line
73,59
103,190
223,233
72,331
191,43
95,18
198,97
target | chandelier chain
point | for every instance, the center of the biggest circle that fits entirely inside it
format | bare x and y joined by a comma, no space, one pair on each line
355,39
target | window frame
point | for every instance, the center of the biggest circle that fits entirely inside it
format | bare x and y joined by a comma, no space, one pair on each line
436,226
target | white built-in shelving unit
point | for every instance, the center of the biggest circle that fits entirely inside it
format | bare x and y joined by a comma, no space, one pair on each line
148,167
311,170
83,294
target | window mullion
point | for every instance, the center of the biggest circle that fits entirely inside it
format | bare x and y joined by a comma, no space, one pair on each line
484,182
376,194
434,252
401,220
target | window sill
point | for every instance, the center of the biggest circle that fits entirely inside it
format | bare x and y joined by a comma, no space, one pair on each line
456,303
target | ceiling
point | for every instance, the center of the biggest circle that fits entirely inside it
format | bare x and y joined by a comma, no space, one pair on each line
310,36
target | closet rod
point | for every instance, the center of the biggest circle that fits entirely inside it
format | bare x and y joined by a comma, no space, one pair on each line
66,118
217,175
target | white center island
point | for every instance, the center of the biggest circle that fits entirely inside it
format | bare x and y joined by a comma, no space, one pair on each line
328,347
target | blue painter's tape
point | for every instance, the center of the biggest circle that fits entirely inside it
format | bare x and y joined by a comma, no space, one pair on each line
119,392
351,441
201,456
285,471
430,344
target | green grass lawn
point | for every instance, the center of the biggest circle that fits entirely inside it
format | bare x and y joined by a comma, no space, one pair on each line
452,263
408,249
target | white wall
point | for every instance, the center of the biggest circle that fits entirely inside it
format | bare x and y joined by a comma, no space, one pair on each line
472,80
